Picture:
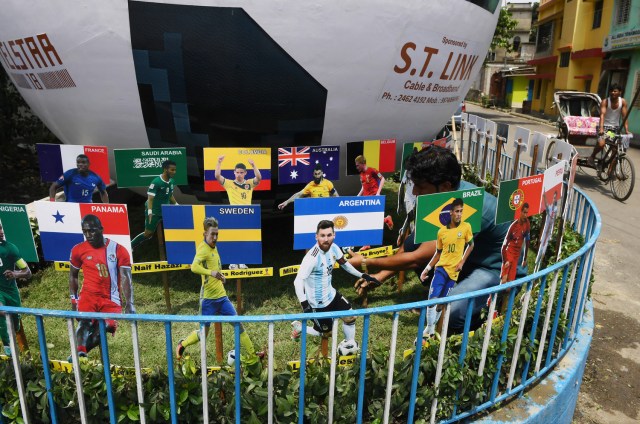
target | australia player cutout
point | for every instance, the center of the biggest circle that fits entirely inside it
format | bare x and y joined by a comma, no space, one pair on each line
315,291
453,246
318,187
106,267
10,259
160,193
79,183
213,297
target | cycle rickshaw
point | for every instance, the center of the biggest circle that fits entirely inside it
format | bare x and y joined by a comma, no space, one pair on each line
578,124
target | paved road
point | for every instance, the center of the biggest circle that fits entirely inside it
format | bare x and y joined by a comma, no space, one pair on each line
610,392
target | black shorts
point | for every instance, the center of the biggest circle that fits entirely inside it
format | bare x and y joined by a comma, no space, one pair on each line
339,303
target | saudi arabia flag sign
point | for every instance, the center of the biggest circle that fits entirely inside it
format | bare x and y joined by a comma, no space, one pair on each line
17,230
433,212
515,193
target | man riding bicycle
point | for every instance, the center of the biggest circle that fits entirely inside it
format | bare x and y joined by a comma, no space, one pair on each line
613,110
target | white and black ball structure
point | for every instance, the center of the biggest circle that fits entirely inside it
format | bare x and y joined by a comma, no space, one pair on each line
213,73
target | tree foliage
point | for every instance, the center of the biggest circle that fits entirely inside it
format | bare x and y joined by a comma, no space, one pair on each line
504,31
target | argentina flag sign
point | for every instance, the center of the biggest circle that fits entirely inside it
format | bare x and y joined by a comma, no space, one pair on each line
357,220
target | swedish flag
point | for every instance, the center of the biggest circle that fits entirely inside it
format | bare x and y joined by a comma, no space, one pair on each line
239,237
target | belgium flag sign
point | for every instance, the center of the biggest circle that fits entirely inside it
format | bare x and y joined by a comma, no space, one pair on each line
433,211
515,193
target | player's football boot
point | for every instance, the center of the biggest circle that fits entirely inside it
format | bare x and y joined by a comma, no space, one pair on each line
180,350
243,266
389,222
296,330
233,266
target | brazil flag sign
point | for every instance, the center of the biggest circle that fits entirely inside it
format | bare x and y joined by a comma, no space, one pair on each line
515,193
433,211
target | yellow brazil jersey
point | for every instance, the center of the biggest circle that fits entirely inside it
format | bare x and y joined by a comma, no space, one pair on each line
324,189
207,260
239,194
451,242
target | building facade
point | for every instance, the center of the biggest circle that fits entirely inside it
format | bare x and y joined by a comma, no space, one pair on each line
622,61
568,53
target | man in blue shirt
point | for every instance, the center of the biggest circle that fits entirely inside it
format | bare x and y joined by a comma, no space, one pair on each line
79,184
436,170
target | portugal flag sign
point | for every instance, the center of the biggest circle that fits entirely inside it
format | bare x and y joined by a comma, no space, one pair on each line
515,193
433,211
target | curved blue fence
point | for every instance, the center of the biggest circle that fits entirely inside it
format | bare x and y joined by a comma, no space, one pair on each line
550,305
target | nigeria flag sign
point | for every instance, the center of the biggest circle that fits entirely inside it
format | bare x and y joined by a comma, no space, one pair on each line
433,211
17,230
515,193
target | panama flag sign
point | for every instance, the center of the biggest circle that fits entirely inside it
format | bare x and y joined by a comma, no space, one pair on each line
239,235
61,228
55,159
433,211
17,230
296,164
515,193
380,154
232,156
358,220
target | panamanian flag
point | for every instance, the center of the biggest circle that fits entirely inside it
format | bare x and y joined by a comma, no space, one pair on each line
55,159
358,220
296,164
239,235
61,229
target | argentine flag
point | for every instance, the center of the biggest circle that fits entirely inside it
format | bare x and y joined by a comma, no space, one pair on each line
358,220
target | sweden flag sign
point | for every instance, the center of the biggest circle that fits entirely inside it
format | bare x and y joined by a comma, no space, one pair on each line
239,237
433,211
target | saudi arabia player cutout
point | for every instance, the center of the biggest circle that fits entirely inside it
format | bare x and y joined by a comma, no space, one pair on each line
313,284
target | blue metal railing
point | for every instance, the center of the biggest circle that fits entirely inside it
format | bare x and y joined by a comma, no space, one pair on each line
567,300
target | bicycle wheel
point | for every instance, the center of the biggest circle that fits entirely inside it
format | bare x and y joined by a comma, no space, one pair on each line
623,177
604,159
549,156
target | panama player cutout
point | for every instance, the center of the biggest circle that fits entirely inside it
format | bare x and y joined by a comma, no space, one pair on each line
315,291
106,267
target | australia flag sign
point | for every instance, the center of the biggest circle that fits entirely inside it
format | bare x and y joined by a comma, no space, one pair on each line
296,164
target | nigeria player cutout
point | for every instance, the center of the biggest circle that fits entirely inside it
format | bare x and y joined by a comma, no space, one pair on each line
106,268
10,259
160,193
315,291
213,297
79,183
240,191
453,245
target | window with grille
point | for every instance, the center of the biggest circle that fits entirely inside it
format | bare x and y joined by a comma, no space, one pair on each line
622,11
597,15
636,85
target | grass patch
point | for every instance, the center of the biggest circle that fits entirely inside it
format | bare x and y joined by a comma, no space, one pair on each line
264,296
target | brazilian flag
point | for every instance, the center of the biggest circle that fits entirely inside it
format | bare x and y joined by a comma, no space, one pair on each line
433,211
17,230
